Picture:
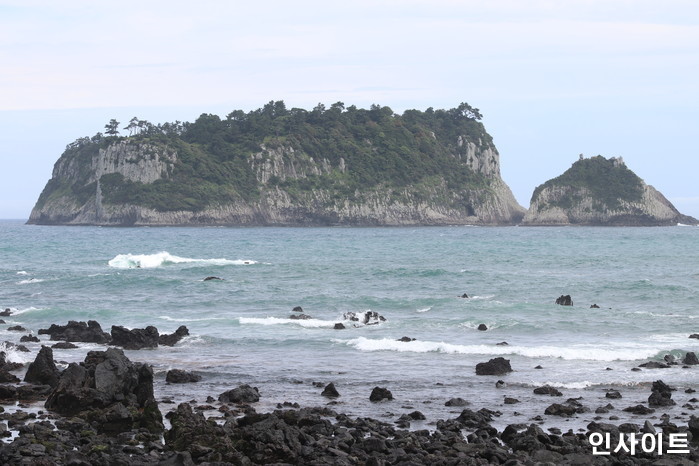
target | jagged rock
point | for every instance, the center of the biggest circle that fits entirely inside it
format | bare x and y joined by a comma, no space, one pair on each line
16,328
474,419
208,279
90,332
330,391
594,306
482,327
547,390
180,376
242,394
339,326
135,339
29,339
367,318
379,394
654,365
661,395
173,338
110,391
6,313
496,366
464,296
690,359
300,317
43,370
564,300
64,345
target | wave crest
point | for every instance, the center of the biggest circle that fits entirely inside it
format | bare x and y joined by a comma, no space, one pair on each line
149,261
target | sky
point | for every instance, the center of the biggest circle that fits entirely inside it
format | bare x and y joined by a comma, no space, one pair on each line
552,78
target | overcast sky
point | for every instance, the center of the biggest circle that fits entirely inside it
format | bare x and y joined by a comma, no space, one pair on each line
553,79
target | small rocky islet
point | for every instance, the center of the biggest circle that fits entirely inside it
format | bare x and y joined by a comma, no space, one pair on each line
103,411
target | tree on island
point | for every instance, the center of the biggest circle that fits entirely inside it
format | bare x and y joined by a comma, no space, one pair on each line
112,128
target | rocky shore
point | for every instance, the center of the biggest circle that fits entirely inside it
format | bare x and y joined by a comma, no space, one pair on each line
105,411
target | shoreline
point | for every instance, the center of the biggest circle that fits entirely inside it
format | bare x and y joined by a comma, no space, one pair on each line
473,431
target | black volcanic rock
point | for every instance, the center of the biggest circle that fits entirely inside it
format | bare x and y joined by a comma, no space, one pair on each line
135,339
242,394
90,332
380,394
43,370
180,376
496,366
330,391
172,339
110,390
564,300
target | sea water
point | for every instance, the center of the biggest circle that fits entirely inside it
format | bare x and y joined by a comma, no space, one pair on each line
644,280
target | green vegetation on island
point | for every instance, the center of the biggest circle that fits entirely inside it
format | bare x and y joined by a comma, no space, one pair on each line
607,181
213,164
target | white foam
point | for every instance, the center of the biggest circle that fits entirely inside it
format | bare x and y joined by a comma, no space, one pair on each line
149,261
22,272
308,323
573,352
14,355
22,311
429,308
203,319
30,280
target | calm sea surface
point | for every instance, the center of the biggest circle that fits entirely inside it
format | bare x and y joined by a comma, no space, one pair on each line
645,280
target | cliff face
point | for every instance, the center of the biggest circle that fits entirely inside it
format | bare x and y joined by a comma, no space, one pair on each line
127,181
601,191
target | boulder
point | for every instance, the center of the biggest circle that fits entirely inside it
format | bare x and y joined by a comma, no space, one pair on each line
43,370
564,300
690,359
496,366
457,402
379,394
208,279
661,395
557,409
406,339
135,339
638,409
482,327
6,377
297,309
17,328
547,390
474,419
339,326
613,394
243,394
173,338
6,313
180,376
465,295
300,317
654,365
330,391
594,306
90,332
29,339
694,335
110,391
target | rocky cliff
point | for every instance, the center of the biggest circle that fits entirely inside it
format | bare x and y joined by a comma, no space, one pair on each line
346,167
600,191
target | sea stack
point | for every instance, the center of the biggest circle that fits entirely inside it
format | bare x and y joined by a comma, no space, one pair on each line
601,191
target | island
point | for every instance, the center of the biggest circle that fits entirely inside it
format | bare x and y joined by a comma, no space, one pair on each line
601,191
332,165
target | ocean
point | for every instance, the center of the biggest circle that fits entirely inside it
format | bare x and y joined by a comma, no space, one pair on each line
644,280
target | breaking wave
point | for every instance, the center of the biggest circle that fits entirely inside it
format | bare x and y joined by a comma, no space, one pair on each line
149,261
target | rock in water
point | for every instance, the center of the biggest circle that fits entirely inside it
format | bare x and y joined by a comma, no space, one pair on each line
379,394
173,338
564,300
90,332
115,394
243,394
496,366
180,376
661,395
43,370
135,339
690,359
330,391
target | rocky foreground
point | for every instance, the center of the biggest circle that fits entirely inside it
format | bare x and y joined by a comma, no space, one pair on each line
103,411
